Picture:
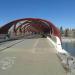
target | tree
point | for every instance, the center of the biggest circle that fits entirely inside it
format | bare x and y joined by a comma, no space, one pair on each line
61,30
67,32
74,34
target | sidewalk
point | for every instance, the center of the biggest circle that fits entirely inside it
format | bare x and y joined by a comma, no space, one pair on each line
31,57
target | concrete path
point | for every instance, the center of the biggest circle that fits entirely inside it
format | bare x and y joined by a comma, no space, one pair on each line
30,57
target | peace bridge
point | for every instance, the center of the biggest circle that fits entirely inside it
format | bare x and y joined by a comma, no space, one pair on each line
29,47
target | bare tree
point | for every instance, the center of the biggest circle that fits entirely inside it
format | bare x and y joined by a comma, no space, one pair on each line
61,30
66,32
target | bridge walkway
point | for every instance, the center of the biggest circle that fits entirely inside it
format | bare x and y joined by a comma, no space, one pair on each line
30,57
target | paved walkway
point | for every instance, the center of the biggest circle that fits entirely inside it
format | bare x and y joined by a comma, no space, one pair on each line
30,57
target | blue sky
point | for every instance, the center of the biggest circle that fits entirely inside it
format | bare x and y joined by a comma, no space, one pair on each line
59,12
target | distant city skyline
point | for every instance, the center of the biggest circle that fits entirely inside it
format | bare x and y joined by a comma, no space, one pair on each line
59,12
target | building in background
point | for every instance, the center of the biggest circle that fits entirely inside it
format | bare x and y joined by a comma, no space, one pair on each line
68,32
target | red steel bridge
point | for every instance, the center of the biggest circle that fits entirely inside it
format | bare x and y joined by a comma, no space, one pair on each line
29,26
31,54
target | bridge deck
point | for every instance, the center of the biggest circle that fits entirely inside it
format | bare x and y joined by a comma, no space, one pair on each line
29,57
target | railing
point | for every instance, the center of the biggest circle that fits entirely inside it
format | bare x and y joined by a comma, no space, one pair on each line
67,60
6,37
